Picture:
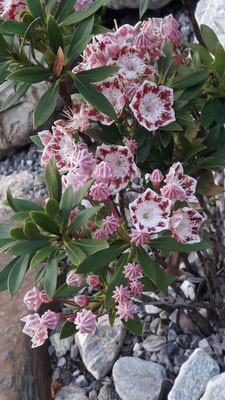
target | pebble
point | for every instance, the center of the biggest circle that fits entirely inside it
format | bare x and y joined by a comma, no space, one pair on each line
154,343
61,346
71,393
74,352
61,362
215,389
81,381
137,379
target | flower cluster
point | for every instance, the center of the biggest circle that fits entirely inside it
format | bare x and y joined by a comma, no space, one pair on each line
11,9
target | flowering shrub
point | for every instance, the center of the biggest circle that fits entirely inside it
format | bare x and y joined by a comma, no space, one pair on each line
147,121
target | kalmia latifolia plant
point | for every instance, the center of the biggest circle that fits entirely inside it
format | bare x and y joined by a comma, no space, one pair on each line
128,167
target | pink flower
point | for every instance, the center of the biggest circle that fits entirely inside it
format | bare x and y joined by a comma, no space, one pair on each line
121,294
99,191
152,105
74,279
185,224
104,172
184,182
156,177
136,287
90,225
132,271
43,297
76,178
122,162
126,310
145,40
32,323
39,337
82,4
85,321
32,299
72,318
100,234
11,9
73,214
49,319
110,224
81,300
132,144
77,118
130,91
139,238
112,88
150,212
93,281
85,161
45,137
173,192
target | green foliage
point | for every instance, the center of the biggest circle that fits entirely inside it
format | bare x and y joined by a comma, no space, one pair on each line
134,325
144,4
53,180
46,105
17,273
67,330
51,276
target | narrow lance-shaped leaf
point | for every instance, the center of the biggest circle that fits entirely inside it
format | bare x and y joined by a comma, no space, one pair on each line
15,97
53,180
4,273
46,105
17,274
134,325
51,277
98,74
82,217
54,34
64,9
144,4
75,254
81,193
80,15
30,75
66,205
45,222
41,255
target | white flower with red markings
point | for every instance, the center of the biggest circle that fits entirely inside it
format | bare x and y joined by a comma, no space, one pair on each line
77,118
150,212
186,184
185,224
11,9
152,105
82,5
122,162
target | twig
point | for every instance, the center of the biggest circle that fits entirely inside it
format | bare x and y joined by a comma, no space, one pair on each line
191,15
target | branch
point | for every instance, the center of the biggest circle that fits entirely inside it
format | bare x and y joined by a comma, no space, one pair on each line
191,15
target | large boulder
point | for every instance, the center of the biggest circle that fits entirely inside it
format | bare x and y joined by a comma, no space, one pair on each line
212,13
118,4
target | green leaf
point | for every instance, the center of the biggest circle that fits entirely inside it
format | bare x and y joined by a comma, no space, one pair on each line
64,9
80,38
117,280
147,264
173,126
165,138
134,325
68,329
46,105
97,260
143,150
17,234
81,193
108,133
15,97
209,37
17,274
40,275
26,205
171,244
66,205
53,180
36,140
54,34
191,79
111,316
35,8
52,208
220,115
94,97
5,231
195,149
30,75
31,231
45,222
99,29
50,5
79,47
91,246
219,60
20,216
75,254
208,112
98,74
82,217
4,273
10,201
41,255
51,276
79,15
149,286
68,291
144,4
204,53
15,27
27,247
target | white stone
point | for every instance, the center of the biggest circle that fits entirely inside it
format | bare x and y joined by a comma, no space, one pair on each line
61,346
193,377
118,4
149,309
100,348
188,289
154,343
215,389
71,393
137,379
212,13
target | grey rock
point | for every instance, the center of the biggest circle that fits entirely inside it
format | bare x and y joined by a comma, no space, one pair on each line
71,393
212,13
204,345
174,315
61,362
193,377
100,349
74,352
93,395
154,325
118,4
171,335
152,309
154,343
81,381
56,375
107,393
215,389
61,346
184,341
137,379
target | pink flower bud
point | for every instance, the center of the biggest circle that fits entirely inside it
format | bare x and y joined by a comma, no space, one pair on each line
132,271
139,238
72,318
32,299
50,319
81,300
85,321
136,287
43,297
144,40
121,294
173,192
90,226
156,177
132,144
104,172
126,310
32,323
39,337
99,191
93,281
74,279
110,224
100,234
